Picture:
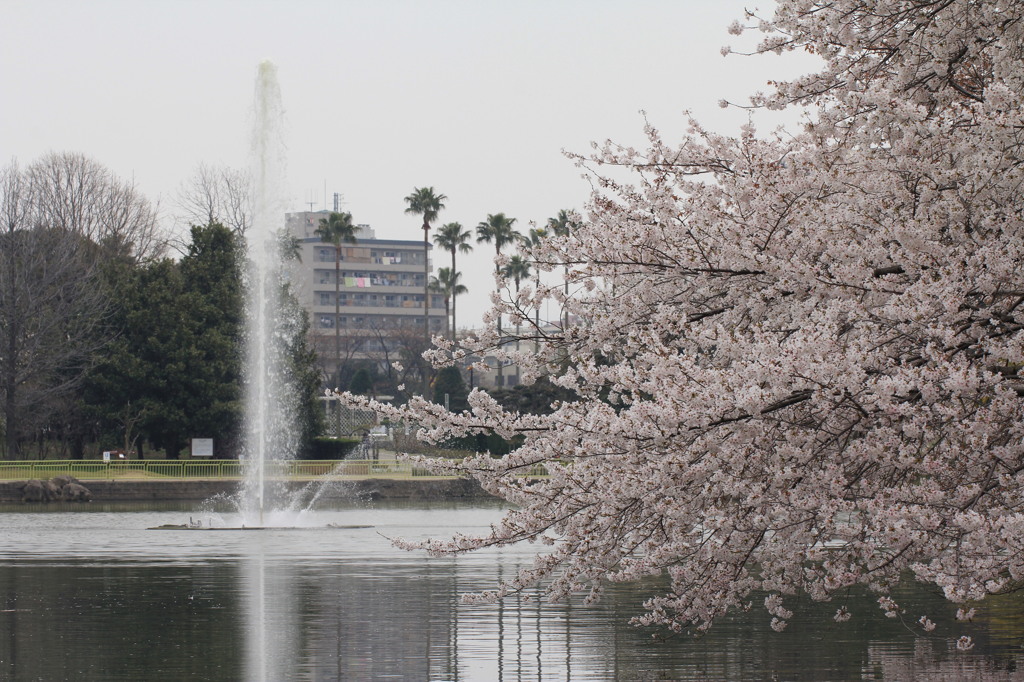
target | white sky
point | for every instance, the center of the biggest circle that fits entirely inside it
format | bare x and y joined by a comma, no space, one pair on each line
476,98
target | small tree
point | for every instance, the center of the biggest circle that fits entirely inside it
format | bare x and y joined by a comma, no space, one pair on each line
362,383
450,390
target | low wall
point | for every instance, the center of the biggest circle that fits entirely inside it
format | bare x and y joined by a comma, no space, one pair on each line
198,490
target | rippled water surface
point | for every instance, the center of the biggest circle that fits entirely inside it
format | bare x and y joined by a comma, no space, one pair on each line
91,594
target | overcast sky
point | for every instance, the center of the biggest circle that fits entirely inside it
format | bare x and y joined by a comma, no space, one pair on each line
473,97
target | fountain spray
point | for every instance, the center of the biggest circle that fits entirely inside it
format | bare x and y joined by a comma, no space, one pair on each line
270,399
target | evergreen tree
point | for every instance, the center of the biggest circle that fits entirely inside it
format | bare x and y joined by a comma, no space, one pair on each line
214,300
305,375
449,382
362,383
173,369
134,391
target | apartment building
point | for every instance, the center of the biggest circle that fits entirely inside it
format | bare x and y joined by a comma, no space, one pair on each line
378,303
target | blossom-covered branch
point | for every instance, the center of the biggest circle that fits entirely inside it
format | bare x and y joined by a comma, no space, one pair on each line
797,366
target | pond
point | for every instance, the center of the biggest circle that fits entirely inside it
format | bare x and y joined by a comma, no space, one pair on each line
89,593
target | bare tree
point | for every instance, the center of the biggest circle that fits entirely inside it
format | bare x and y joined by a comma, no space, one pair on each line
404,344
51,308
326,345
216,195
73,193
61,219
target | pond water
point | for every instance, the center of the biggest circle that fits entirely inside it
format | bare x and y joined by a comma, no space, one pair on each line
89,593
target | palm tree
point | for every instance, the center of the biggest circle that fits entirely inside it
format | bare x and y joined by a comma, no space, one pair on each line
337,228
497,229
447,284
562,225
517,269
425,202
536,236
453,238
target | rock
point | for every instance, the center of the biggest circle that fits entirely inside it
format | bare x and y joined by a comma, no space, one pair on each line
33,491
53,491
47,491
39,491
76,492
61,481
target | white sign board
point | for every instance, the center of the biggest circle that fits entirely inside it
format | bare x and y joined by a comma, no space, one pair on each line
202,447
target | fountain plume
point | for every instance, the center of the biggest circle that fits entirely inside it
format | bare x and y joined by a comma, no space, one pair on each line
271,396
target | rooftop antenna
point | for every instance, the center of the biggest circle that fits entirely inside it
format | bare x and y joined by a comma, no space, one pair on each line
337,202
311,202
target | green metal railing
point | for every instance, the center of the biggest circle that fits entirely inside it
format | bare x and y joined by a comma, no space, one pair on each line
213,469
156,469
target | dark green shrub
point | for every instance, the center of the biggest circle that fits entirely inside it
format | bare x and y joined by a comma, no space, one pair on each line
332,448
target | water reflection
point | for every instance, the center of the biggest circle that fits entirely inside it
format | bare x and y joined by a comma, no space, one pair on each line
94,595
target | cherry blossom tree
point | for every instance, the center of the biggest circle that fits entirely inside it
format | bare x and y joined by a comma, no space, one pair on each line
797,365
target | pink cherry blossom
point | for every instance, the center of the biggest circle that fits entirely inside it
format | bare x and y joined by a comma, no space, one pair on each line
797,355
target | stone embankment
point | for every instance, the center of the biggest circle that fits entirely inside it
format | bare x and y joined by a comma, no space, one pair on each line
203,489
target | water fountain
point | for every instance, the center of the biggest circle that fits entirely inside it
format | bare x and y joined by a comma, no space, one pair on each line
272,399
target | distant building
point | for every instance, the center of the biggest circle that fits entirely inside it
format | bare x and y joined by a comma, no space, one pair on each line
380,298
